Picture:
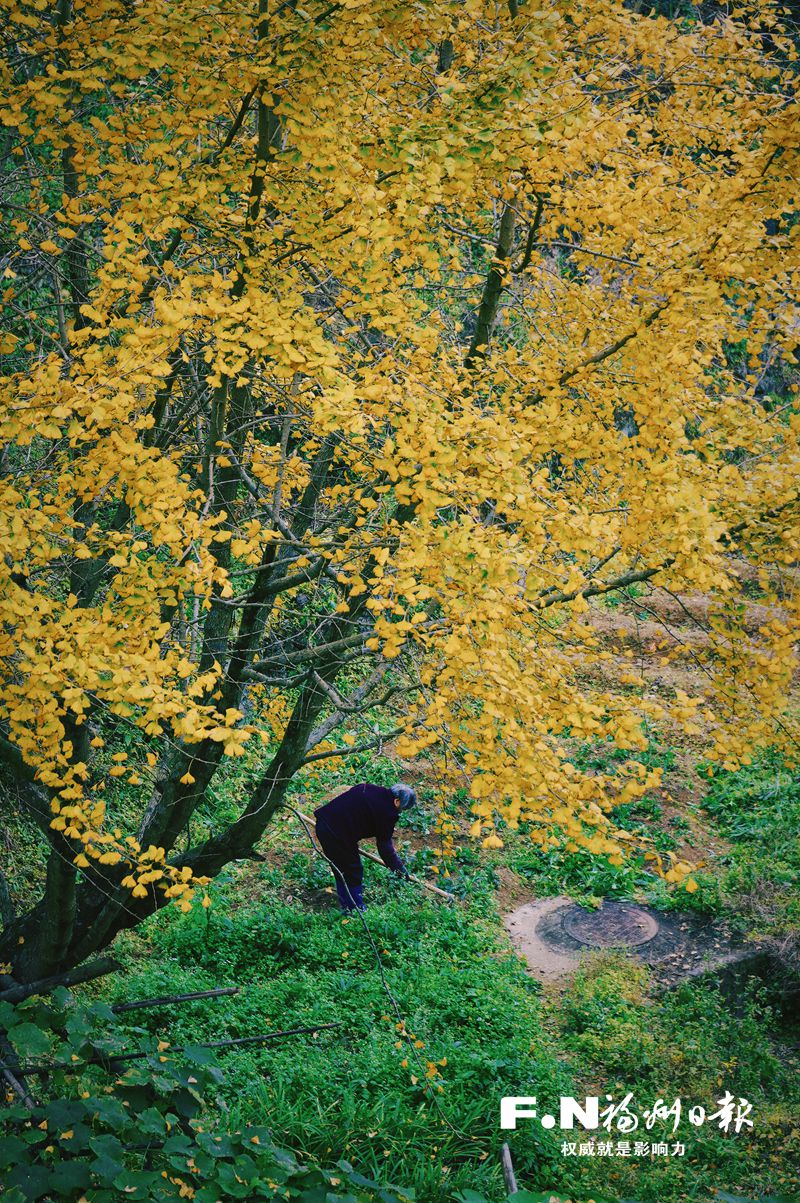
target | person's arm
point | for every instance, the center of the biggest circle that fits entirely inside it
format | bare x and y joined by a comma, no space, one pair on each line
388,854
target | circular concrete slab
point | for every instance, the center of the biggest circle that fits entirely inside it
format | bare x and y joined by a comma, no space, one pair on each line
552,935
613,925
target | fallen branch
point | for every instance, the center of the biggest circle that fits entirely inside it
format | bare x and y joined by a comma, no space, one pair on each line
508,1170
118,1008
115,1059
74,977
19,1089
13,1075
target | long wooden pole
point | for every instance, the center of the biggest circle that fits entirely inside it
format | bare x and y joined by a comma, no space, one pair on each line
508,1171
112,1058
371,856
168,999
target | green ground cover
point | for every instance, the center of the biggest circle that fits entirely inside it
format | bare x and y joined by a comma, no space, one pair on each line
419,1105
423,1111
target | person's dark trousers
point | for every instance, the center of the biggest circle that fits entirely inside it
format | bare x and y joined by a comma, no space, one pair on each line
348,870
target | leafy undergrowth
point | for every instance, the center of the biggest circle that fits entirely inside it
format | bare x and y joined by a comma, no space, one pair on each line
417,1106
752,879
586,877
107,1121
695,1044
118,1112
758,810
420,1107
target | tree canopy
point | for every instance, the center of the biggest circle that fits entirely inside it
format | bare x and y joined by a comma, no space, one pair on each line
350,349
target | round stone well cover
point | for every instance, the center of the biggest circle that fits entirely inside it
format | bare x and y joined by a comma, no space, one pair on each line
613,925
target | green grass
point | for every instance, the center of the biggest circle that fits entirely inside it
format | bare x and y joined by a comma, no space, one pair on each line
483,1026
756,881
349,1093
482,1023
692,1043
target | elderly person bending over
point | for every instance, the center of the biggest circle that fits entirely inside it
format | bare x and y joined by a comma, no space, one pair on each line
361,813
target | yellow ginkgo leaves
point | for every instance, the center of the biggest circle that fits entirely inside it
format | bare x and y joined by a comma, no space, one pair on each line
258,501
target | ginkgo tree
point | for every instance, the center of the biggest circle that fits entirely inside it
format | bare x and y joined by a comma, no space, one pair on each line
350,349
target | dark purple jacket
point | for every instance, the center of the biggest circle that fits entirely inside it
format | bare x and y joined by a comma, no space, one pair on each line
362,812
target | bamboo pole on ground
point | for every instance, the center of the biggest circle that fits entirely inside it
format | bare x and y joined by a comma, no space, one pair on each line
509,1176
168,999
112,1060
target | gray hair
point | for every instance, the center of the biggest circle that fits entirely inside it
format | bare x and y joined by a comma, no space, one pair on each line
405,795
